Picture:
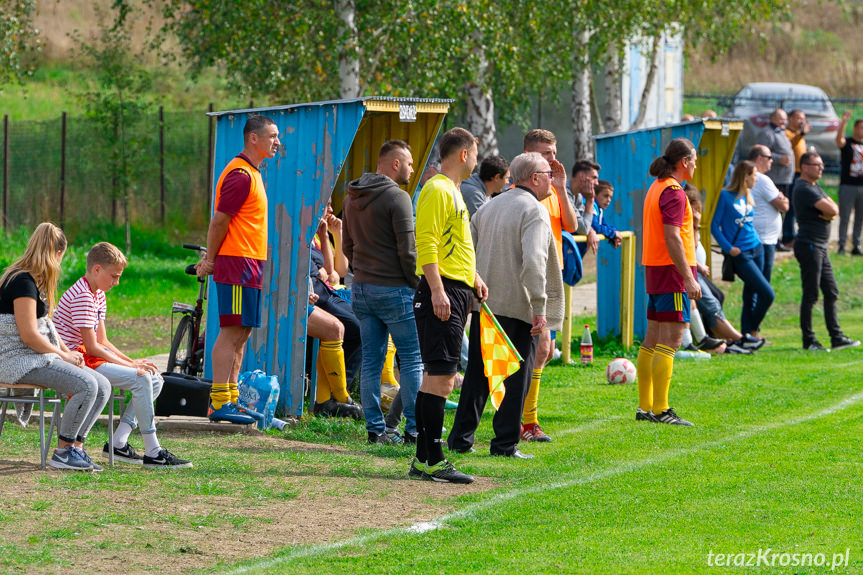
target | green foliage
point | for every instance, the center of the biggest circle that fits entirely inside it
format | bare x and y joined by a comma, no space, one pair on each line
121,99
18,39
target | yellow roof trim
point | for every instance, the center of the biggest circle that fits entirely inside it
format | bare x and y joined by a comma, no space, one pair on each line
711,124
422,107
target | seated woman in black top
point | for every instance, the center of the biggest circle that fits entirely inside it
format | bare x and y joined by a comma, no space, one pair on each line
31,352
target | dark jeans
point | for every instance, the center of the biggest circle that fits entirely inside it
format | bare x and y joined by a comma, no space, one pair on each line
788,233
850,200
769,256
816,272
474,390
758,296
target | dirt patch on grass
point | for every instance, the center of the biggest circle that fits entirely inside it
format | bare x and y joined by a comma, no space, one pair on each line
139,521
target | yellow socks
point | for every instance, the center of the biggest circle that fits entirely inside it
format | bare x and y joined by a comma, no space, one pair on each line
529,414
322,391
220,394
235,393
661,368
331,365
644,370
388,374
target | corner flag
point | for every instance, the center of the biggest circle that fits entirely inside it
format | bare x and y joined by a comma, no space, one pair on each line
499,357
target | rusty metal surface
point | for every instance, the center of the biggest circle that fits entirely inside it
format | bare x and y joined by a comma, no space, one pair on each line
625,159
324,145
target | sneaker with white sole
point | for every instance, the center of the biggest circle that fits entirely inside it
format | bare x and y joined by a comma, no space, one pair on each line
641,415
445,472
668,416
533,432
844,343
69,458
165,460
816,346
126,454
86,457
749,341
417,470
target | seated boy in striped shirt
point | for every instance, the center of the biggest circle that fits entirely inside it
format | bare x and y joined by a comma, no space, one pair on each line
80,322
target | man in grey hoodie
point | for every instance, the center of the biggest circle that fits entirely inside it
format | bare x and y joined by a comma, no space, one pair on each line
378,240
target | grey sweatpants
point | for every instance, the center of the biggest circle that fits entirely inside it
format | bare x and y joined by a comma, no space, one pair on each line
88,393
144,389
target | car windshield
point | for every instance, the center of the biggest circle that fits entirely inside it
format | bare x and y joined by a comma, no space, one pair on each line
813,105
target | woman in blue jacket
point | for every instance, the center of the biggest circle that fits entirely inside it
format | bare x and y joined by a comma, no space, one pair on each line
732,227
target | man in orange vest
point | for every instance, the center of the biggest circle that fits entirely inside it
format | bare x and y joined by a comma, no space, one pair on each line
236,253
668,256
563,215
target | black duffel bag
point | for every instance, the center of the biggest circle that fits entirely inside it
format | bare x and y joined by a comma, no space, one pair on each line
727,268
183,395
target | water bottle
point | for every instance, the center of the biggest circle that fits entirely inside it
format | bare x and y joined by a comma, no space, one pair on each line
586,347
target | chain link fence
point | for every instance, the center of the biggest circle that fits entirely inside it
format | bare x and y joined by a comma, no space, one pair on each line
70,171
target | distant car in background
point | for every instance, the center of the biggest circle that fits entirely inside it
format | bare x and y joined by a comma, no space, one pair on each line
754,103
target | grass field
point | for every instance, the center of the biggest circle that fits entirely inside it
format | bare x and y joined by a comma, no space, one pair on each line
773,462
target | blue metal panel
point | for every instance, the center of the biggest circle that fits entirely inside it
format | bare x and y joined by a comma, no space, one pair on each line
299,180
625,159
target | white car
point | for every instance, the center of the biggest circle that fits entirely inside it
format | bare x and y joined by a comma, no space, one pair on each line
756,101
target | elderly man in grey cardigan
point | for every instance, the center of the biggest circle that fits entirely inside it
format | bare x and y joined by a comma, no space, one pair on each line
516,255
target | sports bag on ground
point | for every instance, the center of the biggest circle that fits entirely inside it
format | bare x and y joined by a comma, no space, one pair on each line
183,395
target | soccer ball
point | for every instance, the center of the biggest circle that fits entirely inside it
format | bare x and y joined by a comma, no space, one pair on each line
620,370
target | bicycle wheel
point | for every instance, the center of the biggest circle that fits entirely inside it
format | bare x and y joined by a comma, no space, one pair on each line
178,358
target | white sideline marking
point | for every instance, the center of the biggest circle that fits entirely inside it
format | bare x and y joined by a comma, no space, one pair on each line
587,426
472,509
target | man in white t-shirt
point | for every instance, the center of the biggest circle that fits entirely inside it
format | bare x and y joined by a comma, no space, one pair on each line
770,204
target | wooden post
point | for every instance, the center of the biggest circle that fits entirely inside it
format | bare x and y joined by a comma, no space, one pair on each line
566,333
6,172
210,144
63,170
627,294
627,288
162,164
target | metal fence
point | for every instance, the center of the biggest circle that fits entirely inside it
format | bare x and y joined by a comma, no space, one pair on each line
66,171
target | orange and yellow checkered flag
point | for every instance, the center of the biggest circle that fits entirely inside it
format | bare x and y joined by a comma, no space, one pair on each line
499,357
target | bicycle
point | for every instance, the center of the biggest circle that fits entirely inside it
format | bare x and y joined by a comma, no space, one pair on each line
187,345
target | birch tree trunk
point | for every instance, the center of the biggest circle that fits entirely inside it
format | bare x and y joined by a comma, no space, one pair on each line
349,62
648,85
479,112
613,117
581,118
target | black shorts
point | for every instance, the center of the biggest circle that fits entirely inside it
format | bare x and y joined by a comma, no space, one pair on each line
440,342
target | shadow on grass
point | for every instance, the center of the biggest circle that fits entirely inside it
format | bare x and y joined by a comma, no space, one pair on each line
9,468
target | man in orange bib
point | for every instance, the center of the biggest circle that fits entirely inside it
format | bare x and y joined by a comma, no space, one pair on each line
236,253
668,256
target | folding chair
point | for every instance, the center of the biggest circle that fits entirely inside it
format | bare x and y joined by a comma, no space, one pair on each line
44,441
115,395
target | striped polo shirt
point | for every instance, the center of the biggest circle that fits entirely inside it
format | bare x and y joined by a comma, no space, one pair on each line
79,308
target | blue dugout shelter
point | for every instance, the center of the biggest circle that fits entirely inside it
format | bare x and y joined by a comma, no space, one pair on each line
625,159
324,145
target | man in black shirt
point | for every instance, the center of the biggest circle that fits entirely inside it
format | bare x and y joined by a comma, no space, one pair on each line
850,183
815,210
